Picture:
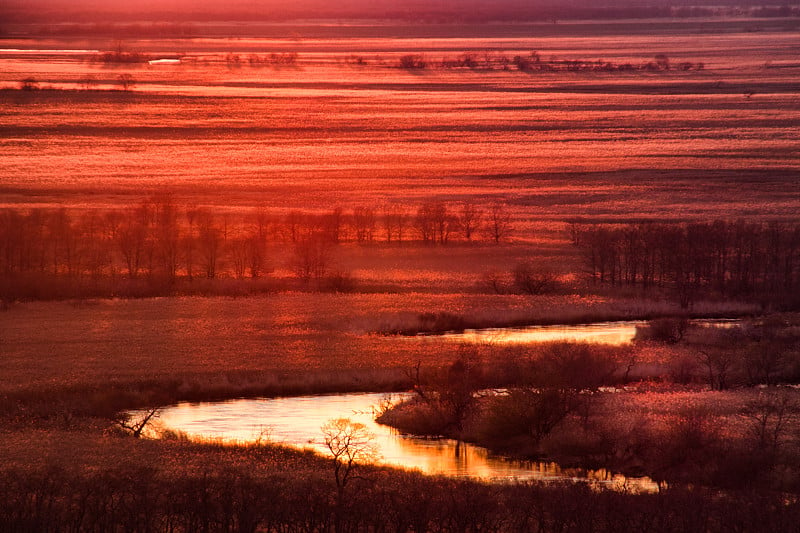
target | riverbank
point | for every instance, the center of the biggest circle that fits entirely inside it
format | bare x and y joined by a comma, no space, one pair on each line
62,389
63,478
731,440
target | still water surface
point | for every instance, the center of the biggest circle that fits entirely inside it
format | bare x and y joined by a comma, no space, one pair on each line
296,421
614,333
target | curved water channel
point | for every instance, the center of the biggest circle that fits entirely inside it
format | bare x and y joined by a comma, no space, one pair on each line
614,333
297,421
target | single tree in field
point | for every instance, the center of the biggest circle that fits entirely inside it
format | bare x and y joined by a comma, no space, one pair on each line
29,84
532,280
349,444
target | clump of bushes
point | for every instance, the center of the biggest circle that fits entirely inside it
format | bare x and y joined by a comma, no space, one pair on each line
667,330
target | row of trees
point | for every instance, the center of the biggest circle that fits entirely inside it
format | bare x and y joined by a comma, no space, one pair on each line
728,258
160,238
534,62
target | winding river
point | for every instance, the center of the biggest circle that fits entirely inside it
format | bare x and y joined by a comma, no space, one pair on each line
614,333
296,421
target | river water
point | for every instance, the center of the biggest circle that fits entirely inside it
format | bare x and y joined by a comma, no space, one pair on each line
615,333
296,421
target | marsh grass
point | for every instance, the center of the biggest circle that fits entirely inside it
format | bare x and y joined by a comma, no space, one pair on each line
564,310
662,146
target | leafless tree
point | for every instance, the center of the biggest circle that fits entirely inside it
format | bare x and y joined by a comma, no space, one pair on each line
136,423
311,258
333,225
498,223
530,279
350,445
470,217
364,224
718,364
211,238
126,81
768,418
495,281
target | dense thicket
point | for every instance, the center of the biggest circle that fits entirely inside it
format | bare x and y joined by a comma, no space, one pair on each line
727,258
236,500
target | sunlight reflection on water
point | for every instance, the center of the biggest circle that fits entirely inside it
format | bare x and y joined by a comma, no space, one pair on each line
296,421
614,333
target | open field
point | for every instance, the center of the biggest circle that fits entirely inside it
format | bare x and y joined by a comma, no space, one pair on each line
344,125
69,343
552,122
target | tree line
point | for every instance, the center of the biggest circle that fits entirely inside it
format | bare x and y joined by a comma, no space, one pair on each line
534,62
160,238
726,258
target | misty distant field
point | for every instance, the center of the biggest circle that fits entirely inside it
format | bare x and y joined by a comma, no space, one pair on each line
344,125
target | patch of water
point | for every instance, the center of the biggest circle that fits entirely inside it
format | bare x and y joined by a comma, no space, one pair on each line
613,333
297,421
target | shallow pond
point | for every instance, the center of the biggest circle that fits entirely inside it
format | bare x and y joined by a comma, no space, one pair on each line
296,421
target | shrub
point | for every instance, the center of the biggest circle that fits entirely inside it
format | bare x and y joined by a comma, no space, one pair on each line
412,62
667,330
530,280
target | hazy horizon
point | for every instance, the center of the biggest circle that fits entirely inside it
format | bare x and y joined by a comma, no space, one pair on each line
19,11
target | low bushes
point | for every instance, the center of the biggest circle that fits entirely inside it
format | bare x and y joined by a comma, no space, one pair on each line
131,497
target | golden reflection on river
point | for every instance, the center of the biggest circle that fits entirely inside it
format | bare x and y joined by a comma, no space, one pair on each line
615,333
296,421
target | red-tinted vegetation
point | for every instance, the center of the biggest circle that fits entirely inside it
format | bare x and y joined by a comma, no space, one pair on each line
277,193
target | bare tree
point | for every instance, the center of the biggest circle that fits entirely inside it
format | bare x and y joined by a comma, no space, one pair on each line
136,423
126,81
189,241
532,280
435,223
424,223
495,281
167,234
350,444
498,223
29,84
470,218
718,364
395,220
768,419
311,258
333,225
364,224
210,239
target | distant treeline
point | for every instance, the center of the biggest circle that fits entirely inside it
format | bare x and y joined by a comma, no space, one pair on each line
740,258
120,55
84,15
159,238
533,62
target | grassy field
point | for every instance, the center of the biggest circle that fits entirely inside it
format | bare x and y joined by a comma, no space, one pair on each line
325,131
344,126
